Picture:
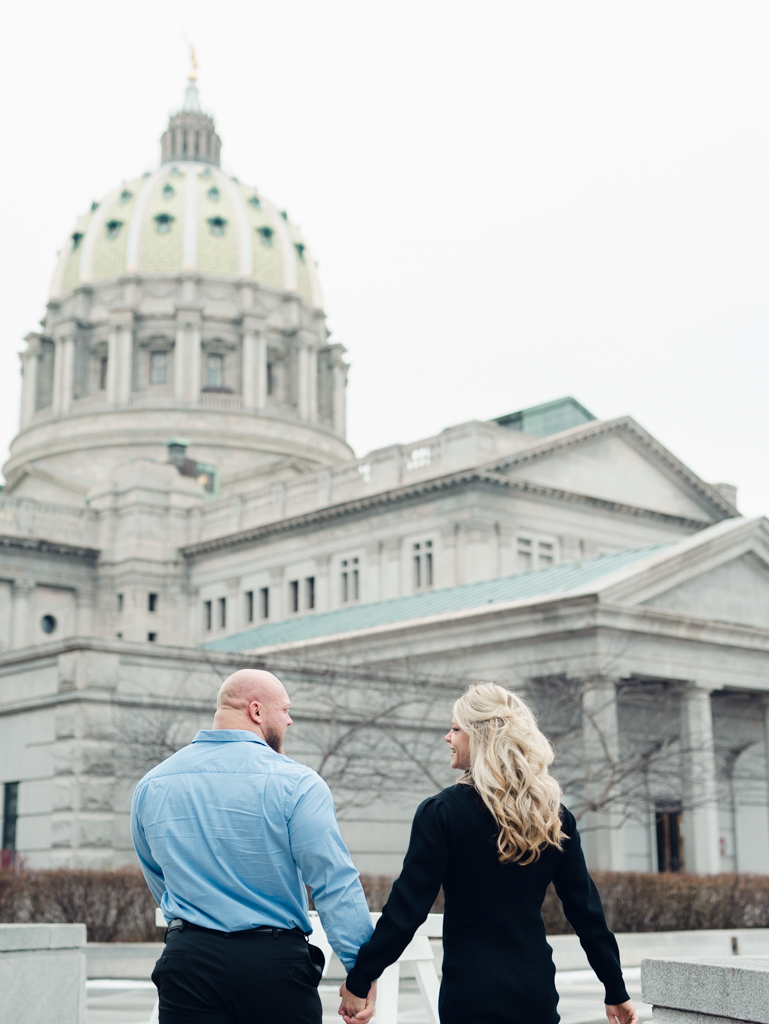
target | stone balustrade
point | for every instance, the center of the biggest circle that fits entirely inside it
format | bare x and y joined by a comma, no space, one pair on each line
707,990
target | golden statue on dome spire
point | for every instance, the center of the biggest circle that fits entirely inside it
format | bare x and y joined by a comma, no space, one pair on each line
193,75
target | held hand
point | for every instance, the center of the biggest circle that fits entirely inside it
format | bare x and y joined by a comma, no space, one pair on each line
355,1010
623,1013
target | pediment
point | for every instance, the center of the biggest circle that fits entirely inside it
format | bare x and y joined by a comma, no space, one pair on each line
734,591
610,466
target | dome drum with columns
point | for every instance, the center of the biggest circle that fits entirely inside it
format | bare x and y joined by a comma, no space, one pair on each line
184,302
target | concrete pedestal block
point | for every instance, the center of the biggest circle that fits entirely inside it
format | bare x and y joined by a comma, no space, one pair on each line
42,974
707,990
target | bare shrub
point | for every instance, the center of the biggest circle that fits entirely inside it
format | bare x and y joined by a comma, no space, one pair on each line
115,906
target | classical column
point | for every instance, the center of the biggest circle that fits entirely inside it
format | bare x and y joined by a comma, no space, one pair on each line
701,846
187,354
339,377
29,362
254,367
21,612
113,345
125,365
602,828
63,373
303,356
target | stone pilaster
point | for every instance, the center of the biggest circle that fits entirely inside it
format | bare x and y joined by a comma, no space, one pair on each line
701,833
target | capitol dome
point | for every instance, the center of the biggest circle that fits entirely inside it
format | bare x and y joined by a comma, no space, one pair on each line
188,216
185,308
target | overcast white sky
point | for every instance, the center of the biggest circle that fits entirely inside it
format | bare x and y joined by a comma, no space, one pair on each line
508,201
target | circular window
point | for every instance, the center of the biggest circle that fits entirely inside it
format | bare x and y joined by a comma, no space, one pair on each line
48,623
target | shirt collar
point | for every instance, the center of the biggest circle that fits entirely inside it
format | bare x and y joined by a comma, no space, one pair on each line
228,736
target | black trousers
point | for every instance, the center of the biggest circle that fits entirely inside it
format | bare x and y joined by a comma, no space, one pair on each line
252,977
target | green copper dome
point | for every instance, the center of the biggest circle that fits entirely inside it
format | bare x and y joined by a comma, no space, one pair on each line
187,216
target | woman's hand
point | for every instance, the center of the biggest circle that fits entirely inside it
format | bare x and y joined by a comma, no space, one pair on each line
623,1013
354,1009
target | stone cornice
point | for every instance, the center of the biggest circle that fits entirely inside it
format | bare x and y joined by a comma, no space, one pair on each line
48,547
400,495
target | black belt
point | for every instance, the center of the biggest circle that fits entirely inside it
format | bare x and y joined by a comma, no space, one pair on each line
178,923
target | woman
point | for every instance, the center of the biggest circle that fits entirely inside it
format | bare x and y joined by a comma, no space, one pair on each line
494,841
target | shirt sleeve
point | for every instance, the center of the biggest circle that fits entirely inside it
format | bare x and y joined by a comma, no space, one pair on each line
326,866
153,874
584,912
412,896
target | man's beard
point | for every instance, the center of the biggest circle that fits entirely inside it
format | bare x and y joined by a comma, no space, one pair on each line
273,739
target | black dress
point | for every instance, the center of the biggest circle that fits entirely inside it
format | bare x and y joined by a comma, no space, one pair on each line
497,964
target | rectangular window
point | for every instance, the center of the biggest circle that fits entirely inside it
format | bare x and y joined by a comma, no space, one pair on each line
310,591
222,612
158,367
546,553
152,637
270,379
207,616
215,370
102,373
249,606
293,595
423,564
152,602
670,839
524,554
264,602
10,814
120,602
350,580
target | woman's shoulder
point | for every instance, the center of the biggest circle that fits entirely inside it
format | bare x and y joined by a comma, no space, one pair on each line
449,800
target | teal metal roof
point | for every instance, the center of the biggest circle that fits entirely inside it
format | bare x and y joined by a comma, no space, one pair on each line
549,418
554,579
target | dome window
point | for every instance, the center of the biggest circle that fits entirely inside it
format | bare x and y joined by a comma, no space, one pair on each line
284,214
217,225
125,195
254,200
163,222
48,624
113,228
300,250
213,194
94,206
77,238
266,235
168,191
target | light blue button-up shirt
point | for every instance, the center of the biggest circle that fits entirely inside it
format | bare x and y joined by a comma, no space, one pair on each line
228,832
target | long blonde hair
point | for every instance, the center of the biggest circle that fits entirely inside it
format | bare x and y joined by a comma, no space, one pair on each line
509,762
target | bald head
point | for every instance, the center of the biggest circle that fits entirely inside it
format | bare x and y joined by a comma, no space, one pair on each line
255,700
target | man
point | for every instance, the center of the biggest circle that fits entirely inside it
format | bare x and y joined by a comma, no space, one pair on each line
228,830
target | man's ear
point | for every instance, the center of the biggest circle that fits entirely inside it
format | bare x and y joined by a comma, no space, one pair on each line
255,709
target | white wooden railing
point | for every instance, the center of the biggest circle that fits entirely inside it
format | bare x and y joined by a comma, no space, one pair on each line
418,952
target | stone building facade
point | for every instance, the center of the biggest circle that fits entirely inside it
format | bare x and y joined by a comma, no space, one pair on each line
181,500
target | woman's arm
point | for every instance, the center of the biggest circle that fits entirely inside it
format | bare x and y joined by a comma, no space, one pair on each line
413,893
583,909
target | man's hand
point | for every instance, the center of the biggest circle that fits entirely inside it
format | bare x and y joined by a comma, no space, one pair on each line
623,1013
355,1010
